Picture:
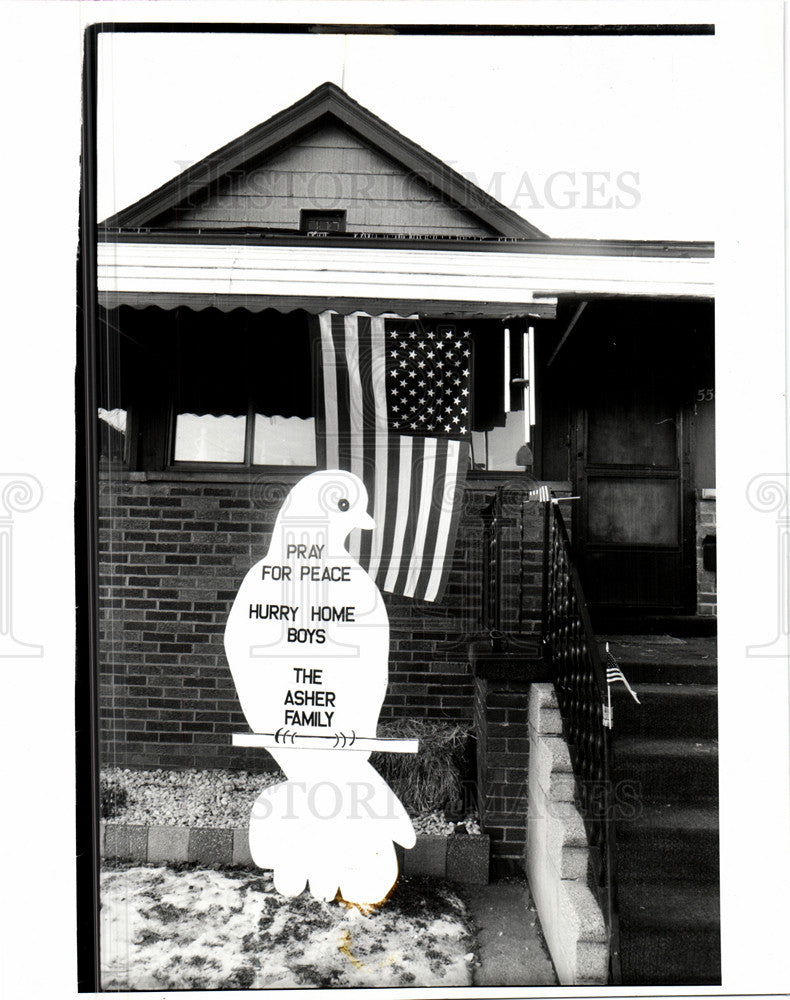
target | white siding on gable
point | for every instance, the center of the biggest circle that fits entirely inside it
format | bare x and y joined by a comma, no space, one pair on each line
331,169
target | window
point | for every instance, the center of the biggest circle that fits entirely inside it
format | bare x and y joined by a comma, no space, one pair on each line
252,439
502,449
112,390
243,392
112,434
322,222
499,437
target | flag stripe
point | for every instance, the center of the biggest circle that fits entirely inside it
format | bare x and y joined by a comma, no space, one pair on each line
412,486
424,505
402,512
458,454
380,467
356,422
387,535
343,399
368,428
329,371
434,514
420,499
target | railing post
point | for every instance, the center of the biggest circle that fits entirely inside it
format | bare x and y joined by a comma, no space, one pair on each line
613,919
497,557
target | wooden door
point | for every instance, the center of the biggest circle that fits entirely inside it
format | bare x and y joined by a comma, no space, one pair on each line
632,522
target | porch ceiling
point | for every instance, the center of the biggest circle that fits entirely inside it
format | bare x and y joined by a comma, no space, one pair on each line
382,280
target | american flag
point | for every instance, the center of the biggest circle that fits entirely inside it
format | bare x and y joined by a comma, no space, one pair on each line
542,494
396,404
614,674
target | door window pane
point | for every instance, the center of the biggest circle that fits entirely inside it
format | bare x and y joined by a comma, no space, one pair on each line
206,438
635,431
635,511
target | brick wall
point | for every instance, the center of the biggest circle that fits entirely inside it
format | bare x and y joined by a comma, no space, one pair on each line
172,555
501,727
706,525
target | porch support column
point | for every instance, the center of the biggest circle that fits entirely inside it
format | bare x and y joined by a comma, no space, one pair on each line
501,719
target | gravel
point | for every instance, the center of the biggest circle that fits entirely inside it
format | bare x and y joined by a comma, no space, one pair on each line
220,799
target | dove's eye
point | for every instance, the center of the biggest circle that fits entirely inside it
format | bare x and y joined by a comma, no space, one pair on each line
343,504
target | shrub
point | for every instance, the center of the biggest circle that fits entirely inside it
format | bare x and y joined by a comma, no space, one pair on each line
112,798
431,778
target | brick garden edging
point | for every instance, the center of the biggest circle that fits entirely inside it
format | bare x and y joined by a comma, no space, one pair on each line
459,857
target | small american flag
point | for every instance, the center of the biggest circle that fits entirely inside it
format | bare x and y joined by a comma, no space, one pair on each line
542,494
396,413
614,674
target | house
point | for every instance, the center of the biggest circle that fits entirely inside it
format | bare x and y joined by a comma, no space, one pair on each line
592,374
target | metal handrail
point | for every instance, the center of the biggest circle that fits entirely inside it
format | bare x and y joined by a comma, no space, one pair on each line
580,682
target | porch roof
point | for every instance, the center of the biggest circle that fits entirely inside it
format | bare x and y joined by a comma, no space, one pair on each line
445,281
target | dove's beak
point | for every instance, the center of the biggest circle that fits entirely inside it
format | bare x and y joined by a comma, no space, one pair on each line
366,521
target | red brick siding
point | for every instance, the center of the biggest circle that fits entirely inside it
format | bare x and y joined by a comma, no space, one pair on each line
502,757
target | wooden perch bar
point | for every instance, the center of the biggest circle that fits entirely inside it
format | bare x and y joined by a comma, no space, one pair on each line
287,740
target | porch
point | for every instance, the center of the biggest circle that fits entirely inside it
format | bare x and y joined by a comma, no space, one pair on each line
618,423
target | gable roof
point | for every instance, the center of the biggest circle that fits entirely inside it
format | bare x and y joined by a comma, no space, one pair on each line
326,104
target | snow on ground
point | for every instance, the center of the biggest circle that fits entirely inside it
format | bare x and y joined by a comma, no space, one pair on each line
164,928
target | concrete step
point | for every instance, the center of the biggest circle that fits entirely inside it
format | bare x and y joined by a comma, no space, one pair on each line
668,770
669,933
667,841
640,671
663,659
666,710
675,625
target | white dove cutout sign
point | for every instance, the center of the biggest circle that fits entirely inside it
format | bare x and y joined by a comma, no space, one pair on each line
307,642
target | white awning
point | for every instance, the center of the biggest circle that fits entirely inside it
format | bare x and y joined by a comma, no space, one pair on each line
382,280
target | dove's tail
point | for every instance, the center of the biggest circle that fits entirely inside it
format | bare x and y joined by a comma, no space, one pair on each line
333,830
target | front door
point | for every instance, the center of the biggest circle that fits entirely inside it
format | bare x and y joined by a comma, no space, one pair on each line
632,521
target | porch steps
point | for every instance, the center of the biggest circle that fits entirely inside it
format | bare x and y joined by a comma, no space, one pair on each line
678,840
607,620
670,770
670,933
673,709
666,767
